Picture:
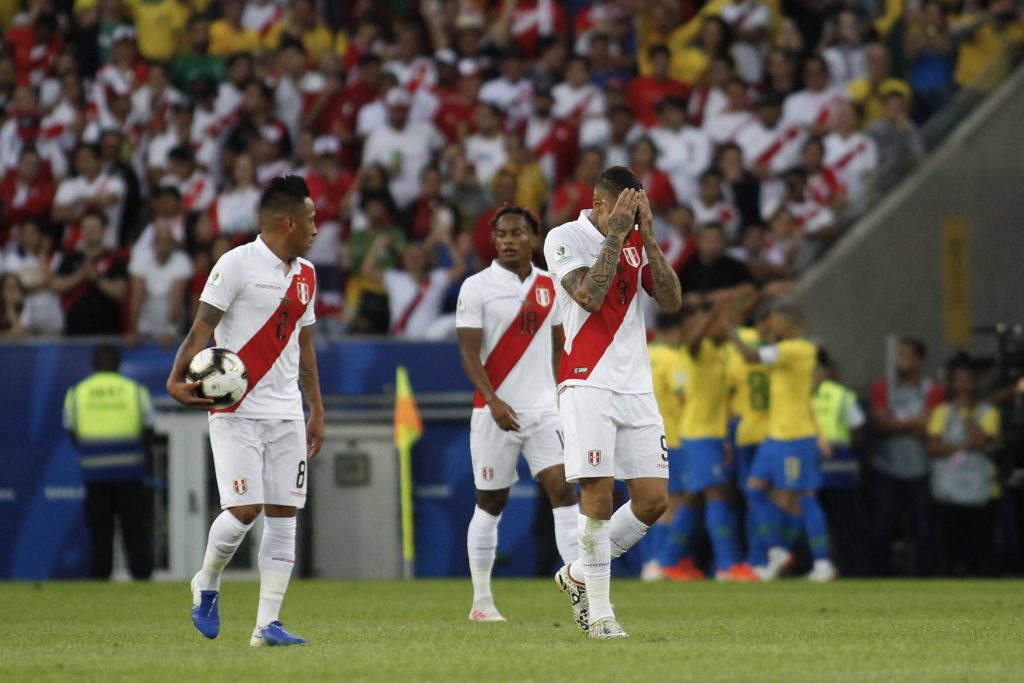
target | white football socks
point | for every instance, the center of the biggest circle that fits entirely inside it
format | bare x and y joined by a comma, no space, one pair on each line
481,546
596,559
277,557
567,535
625,530
226,534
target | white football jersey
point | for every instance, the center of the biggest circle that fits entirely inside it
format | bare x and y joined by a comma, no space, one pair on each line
516,319
807,107
606,349
853,158
777,148
264,307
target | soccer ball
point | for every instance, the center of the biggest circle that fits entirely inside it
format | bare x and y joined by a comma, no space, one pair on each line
222,376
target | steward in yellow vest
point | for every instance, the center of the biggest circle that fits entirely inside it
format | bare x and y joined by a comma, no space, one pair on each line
108,416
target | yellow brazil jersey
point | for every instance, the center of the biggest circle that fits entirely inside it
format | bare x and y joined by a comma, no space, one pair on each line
316,41
791,379
227,40
706,411
748,383
159,24
668,375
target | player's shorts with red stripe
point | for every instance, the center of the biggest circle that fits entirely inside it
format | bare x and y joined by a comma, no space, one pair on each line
609,434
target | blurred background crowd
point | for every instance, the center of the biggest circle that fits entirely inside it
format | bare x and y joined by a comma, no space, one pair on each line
136,134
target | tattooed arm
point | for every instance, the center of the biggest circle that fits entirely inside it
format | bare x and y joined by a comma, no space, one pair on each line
309,381
198,337
667,290
588,286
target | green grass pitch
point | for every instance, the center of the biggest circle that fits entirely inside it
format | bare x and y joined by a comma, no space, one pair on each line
417,631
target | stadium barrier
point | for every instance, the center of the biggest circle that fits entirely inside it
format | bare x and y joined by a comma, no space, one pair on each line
351,524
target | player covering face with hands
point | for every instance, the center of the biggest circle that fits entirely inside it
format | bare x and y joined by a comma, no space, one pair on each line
510,336
613,429
258,302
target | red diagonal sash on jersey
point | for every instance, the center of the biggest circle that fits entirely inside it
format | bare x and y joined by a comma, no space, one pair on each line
515,340
403,319
765,157
598,331
264,348
844,160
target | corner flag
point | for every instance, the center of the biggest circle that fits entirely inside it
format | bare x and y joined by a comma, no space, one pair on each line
408,430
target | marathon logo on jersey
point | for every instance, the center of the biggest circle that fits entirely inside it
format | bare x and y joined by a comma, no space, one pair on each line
241,486
543,297
303,291
594,458
580,371
632,256
487,473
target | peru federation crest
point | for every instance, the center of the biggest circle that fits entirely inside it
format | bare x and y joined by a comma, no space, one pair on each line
302,289
594,458
488,473
543,297
241,486
632,256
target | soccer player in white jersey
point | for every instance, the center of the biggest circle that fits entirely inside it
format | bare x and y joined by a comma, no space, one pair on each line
612,426
258,302
510,337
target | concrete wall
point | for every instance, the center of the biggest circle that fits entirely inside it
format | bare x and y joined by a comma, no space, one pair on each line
887,275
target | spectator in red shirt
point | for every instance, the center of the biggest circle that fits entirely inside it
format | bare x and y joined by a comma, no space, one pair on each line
645,92
553,142
421,214
455,116
576,195
26,196
341,117
35,47
659,189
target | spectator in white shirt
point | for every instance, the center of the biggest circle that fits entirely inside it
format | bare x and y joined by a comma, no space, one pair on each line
235,211
770,146
846,58
404,148
815,105
196,187
576,98
512,92
710,206
849,153
28,260
90,189
485,148
684,152
726,126
160,274
416,292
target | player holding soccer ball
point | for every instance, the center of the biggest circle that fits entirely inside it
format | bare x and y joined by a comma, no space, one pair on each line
258,302
612,426
510,337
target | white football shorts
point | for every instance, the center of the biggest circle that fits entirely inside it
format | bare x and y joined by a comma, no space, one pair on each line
495,452
608,434
259,461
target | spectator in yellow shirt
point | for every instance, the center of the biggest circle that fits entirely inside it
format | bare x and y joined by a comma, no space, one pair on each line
160,25
984,40
228,36
870,92
302,23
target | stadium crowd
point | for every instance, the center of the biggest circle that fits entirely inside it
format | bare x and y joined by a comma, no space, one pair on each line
136,134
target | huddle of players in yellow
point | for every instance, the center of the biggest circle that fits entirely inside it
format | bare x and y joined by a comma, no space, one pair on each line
710,374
